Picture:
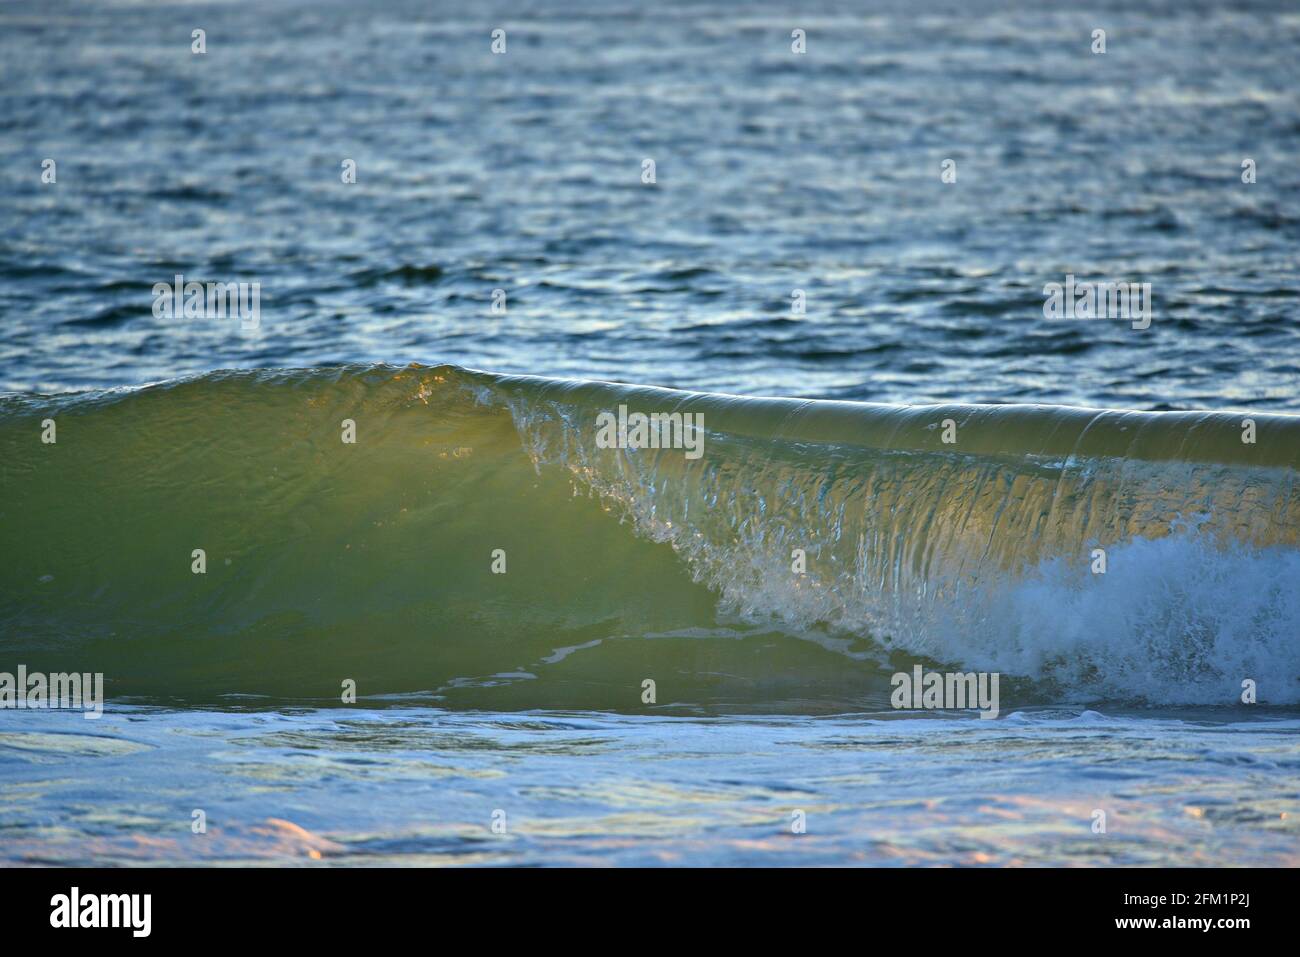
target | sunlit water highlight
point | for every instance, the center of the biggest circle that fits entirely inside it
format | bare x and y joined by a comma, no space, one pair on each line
420,787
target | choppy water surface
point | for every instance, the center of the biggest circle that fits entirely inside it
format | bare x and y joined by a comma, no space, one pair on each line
422,787
775,172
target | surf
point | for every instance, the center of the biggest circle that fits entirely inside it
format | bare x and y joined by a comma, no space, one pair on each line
813,549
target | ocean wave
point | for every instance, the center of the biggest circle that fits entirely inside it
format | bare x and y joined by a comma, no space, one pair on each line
809,551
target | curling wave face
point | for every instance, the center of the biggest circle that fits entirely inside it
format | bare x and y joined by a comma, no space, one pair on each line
812,549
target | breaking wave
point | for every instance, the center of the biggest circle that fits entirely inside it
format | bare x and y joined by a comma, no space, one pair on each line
812,549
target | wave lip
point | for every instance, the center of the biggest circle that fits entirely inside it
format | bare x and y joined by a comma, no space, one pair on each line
812,546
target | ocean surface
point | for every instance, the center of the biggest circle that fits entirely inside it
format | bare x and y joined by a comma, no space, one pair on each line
498,586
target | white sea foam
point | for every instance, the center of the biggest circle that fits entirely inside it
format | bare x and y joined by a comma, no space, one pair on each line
1175,620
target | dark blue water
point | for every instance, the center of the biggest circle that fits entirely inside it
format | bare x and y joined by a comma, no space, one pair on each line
775,172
